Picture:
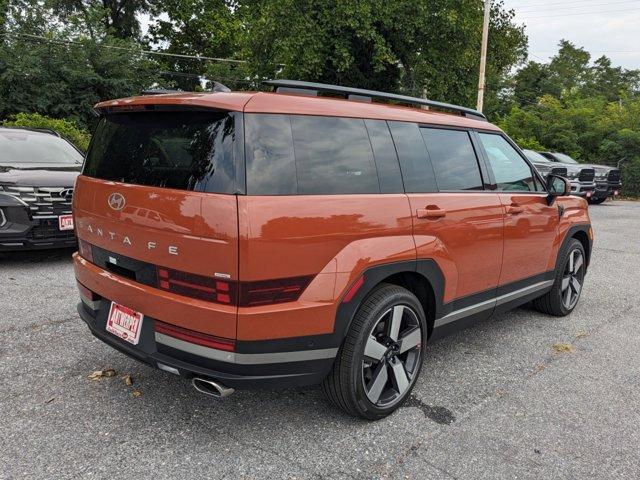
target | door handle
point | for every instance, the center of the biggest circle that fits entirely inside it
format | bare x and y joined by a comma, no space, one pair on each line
430,212
514,209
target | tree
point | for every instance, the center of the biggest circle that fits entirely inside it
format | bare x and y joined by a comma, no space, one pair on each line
202,28
118,17
533,81
60,70
407,46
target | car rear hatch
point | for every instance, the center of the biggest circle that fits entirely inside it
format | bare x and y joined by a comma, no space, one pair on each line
156,208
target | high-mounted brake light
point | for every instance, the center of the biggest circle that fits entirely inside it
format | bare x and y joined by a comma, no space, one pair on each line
196,286
198,338
84,248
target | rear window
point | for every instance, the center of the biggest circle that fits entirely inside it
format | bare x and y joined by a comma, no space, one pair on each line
181,150
18,146
308,155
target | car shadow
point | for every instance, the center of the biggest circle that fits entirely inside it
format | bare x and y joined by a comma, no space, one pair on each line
36,256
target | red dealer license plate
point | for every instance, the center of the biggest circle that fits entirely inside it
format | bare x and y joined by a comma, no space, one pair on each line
65,222
124,323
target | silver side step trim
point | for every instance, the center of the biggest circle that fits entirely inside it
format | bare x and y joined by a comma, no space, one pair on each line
494,302
245,358
507,297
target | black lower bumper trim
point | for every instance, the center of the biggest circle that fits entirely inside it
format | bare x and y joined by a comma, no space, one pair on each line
274,376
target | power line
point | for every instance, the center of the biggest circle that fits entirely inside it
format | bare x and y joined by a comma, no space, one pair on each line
569,6
557,2
115,47
581,13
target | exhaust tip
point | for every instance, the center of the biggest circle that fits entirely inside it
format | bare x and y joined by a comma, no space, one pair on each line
210,387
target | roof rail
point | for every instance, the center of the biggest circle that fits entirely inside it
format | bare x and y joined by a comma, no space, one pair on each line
159,91
311,88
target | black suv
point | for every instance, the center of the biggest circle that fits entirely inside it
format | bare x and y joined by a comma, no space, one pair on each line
38,169
582,177
607,179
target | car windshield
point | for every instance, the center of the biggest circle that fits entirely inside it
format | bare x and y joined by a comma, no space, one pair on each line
564,158
535,156
19,146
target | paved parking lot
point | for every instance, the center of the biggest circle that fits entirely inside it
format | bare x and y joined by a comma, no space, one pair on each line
493,401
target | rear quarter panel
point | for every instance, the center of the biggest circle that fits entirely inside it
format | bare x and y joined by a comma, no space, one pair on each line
334,237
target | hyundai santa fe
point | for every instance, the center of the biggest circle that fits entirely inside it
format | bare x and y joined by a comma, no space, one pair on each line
314,234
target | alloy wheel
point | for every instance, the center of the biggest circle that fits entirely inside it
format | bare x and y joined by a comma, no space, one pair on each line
572,279
392,356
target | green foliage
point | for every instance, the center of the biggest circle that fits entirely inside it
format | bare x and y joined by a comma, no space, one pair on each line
408,46
70,130
76,65
589,111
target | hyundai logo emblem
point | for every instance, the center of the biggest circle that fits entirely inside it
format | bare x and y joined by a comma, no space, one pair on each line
116,201
67,193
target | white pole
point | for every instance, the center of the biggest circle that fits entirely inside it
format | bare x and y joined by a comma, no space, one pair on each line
483,55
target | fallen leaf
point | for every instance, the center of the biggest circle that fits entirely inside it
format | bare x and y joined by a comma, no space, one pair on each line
582,334
98,374
540,367
562,347
128,381
136,393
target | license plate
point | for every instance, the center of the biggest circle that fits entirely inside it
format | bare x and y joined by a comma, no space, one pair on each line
616,192
125,323
589,194
65,222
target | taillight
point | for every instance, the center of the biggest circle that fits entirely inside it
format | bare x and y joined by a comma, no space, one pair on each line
197,286
267,292
84,248
195,337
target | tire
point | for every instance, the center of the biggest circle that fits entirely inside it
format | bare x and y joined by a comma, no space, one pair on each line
569,280
596,201
381,356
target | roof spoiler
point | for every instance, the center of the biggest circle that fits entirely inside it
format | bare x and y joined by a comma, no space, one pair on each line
362,95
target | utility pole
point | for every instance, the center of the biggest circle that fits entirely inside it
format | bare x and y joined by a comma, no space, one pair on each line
483,54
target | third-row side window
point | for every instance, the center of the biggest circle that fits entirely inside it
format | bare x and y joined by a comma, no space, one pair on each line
308,155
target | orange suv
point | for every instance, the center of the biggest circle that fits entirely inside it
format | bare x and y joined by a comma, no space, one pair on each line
316,234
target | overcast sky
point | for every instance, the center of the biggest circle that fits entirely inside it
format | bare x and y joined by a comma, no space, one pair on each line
602,27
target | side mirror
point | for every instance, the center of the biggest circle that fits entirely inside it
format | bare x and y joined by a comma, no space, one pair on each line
557,186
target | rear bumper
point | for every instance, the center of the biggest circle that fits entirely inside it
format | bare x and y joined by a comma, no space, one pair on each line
19,232
239,370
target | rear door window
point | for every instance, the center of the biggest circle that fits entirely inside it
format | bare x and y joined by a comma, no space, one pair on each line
181,150
417,171
453,158
511,171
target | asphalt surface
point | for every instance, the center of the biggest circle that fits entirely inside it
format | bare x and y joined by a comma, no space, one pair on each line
494,401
